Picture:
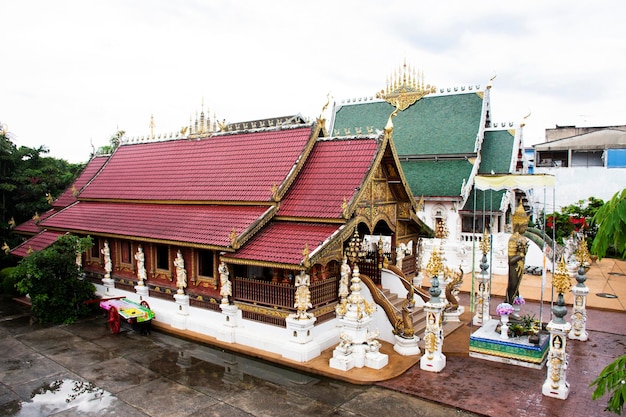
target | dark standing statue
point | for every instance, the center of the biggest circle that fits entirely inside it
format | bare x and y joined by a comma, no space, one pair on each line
518,246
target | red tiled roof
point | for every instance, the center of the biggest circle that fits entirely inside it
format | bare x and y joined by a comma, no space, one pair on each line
92,168
36,243
333,171
283,242
207,225
30,226
229,167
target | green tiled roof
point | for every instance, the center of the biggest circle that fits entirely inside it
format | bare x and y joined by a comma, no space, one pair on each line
443,178
496,152
434,125
486,200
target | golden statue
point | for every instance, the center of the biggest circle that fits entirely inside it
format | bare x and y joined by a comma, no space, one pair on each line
517,248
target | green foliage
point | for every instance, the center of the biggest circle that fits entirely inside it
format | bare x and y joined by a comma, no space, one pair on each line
8,281
611,235
53,281
114,142
27,178
528,326
612,380
563,224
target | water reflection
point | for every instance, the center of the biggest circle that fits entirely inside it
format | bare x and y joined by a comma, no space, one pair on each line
65,394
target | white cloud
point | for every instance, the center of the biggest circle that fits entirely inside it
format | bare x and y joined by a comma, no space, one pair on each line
74,71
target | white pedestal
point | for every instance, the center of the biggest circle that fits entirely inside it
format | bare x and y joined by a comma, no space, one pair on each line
301,346
231,316
556,385
433,359
109,286
454,315
407,347
376,360
342,359
142,291
579,314
482,302
182,311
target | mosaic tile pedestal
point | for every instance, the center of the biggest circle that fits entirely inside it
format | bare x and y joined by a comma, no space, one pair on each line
486,343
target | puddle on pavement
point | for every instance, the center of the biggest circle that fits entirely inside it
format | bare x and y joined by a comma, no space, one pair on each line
66,394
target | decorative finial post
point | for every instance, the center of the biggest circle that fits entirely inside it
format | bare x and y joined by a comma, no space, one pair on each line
483,294
433,359
358,346
580,291
556,385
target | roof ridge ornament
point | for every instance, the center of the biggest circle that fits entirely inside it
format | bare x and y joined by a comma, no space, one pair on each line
405,87
389,125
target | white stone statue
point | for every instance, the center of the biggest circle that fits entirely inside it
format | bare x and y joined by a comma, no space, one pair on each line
344,280
181,274
141,265
108,267
226,289
303,295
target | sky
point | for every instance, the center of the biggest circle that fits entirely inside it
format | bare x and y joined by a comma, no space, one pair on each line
74,72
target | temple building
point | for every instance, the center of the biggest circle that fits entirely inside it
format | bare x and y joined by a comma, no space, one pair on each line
445,137
212,226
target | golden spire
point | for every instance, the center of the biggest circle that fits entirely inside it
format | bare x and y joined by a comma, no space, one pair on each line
485,244
561,279
12,222
405,87
435,264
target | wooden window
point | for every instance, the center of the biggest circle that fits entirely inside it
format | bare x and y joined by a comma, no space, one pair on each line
162,257
205,263
125,252
95,249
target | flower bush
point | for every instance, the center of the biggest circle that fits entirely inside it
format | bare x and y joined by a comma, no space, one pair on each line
504,309
519,300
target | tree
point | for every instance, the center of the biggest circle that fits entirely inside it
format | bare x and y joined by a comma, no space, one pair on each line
54,283
611,220
612,379
114,142
28,181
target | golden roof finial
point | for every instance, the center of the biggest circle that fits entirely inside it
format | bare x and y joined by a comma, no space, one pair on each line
405,87
74,190
36,217
6,248
325,106
12,222
389,125
49,198
344,207
274,189
234,240
306,262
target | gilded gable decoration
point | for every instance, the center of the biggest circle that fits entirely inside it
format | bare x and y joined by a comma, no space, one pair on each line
234,239
405,87
306,262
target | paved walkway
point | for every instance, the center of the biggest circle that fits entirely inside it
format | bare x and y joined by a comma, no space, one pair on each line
486,387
